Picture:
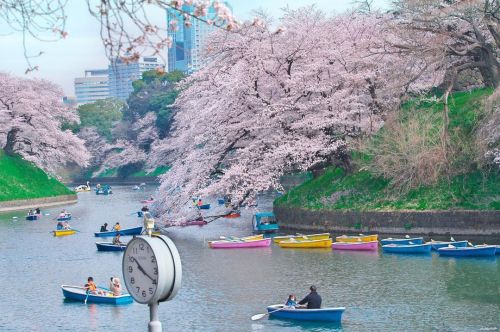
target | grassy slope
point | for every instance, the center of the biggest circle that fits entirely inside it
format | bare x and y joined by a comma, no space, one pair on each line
22,180
363,191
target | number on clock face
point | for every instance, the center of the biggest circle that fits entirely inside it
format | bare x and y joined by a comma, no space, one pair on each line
141,270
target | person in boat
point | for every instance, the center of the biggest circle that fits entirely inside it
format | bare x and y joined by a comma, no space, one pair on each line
60,226
313,300
145,208
98,186
116,239
30,213
115,287
292,301
91,287
62,214
37,211
66,225
104,228
200,203
117,227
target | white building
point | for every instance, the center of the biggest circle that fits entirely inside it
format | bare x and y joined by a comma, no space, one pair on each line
92,87
121,75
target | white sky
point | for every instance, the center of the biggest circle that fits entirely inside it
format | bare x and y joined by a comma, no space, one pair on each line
66,59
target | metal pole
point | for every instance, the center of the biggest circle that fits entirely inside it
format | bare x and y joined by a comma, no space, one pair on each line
154,323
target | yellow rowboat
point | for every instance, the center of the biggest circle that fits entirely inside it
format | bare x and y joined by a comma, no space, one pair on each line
245,238
64,232
325,243
300,237
360,238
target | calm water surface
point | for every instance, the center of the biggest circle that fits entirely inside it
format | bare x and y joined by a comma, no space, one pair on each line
222,289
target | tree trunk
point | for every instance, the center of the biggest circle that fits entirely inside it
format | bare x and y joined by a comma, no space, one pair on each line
490,71
9,147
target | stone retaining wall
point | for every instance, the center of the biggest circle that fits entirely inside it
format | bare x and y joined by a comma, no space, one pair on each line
27,204
460,222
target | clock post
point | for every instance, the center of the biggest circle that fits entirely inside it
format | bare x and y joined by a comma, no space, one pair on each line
152,271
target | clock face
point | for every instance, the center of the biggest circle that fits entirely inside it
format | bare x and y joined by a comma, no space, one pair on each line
140,270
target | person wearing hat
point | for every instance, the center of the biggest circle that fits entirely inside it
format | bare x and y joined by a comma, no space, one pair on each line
115,286
104,228
313,299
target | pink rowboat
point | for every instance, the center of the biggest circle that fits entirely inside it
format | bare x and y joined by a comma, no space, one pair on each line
372,245
224,244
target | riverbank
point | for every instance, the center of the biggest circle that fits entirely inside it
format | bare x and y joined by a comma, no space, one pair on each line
27,204
454,222
22,180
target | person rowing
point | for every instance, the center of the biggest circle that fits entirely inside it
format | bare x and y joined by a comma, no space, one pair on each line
91,287
313,300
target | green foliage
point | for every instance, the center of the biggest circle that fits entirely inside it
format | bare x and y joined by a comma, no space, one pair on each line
156,172
129,169
102,115
464,186
20,179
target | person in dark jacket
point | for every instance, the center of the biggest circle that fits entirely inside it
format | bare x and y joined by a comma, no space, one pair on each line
313,299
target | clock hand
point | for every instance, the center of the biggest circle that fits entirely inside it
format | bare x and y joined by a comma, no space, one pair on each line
141,269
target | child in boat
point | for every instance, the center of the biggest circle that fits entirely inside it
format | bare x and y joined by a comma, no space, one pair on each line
59,226
91,287
292,301
117,227
66,225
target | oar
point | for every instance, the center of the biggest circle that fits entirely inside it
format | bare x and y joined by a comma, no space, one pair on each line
86,297
259,316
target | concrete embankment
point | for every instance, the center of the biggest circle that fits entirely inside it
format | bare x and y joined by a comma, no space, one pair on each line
460,222
27,204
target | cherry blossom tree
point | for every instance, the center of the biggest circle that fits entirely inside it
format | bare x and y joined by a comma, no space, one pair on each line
274,101
31,118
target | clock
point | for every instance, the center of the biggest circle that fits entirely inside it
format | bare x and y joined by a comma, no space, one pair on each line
152,269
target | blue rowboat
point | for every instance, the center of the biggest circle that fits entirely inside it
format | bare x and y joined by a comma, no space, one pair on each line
324,314
108,246
126,231
441,244
497,252
476,251
32,217
407,248
414,240
65,218
204,207
77,293
221,201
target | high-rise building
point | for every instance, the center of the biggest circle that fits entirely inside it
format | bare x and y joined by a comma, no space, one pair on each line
121,75
185,54
92,87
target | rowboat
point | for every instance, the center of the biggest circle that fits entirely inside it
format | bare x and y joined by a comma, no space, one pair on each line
245,238
414,240
221,201
324,314
476,251
233,215
265,222
306,244
237,244
372,245
64,232
441,244
108,246
82,188
407,248
298,237
497,252
360,238
32,217
204,207
66,217
126,231
77,293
